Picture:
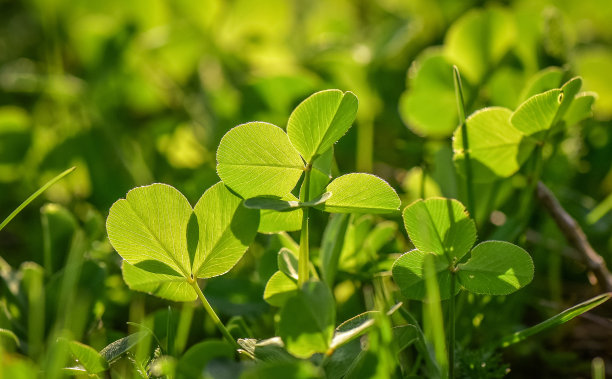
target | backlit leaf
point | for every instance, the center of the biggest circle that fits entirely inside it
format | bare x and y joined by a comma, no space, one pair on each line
496,268
360,193
88,357
440,226
536,114
279,288
320,120
497,149
256,159
408,274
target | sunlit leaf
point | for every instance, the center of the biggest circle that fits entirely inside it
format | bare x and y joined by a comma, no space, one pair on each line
360,193
497,149
536,114
547,79
320,120
88,357
256,159
496,268
440,226
279,288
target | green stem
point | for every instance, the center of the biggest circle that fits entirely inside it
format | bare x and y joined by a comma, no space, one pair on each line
303,261
451,326
466,145
213,315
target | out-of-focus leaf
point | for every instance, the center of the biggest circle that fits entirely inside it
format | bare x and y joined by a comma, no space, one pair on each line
194,361
87,356
115,349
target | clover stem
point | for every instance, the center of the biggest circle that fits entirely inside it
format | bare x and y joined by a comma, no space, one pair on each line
451,326
466,147
303,261
213,315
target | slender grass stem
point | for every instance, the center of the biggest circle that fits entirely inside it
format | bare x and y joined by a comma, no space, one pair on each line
466,146
451,326
213,315
303,261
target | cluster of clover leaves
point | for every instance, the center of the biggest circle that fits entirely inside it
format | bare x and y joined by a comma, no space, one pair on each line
167,245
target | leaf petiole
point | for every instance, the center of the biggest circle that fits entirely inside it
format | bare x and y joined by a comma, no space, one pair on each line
213,315
303,261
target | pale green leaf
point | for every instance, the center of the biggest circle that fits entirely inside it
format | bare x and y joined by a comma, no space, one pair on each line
431,77
307,320
433,324
320,174
536,114
256,159
580,109
320,120
150,224
268,350
226,228
276,222
440,226
157,280
547,79
478,40
497,149
556,320
408,274
287,263
88,357
496,268
360,193
568,91
279,288
594,64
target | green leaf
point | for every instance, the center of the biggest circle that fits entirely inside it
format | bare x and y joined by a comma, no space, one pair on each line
276,222
87,356
360,193
547,79
6,333
194,361
34,196
440,226
478,40
496,268
307,320
226,228
279,289
257,159
331,246
431,77
268,350
285,370
497,149
569,92
321,120
281,205
556,320
407,272
157,280
320,173
536,114
115,349
580,109
432,311
165,243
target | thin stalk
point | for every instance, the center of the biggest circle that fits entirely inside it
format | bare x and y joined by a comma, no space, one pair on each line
303,261
466,145
213,315
451,327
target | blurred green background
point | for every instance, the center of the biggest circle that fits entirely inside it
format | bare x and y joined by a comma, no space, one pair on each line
135,92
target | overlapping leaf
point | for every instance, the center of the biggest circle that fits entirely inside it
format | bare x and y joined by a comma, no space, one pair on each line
360,193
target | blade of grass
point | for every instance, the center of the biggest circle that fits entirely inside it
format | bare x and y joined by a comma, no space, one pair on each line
433,314
34,196
556,320
466,147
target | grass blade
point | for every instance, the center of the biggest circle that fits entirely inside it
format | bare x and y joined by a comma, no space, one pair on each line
556,320
34,196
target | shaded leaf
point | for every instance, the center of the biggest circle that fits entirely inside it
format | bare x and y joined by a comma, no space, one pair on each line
256,159
321,120
285,370
496,268
6,333
360,193
268,350
408,273
307,320
288,263
331,246
580,109
194,361
87,356
547,79
115,349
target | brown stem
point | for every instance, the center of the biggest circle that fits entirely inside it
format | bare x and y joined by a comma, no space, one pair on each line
576,237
